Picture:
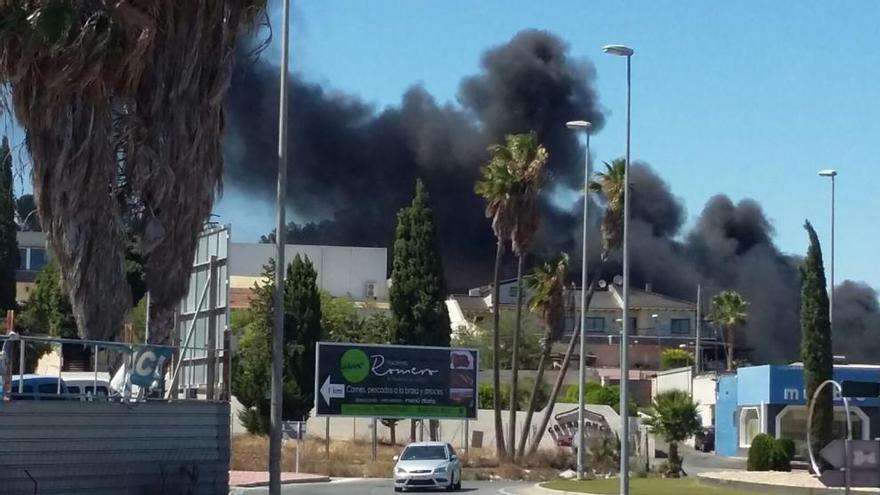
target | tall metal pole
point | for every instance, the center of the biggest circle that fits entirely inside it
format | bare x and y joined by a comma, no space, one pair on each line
583,346
624,338
280,231
698,349
831,298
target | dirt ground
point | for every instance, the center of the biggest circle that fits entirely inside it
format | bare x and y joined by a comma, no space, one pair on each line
354,460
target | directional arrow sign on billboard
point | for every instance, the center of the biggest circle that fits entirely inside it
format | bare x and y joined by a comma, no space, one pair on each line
332,390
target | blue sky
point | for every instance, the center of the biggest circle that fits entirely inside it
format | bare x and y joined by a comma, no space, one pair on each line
749,99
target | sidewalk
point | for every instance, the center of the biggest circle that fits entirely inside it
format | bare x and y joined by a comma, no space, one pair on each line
774,482
246,479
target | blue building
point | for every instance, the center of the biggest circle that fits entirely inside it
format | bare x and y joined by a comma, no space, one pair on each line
771,399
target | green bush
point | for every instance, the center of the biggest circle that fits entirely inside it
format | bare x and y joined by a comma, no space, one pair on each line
761,453
770,454
782,455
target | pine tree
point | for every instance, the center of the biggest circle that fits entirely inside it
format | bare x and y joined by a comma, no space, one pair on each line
8,242
251,378
418,292
816,340
302,330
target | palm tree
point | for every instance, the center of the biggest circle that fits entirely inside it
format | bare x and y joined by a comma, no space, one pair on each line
496,186
608,184
674,417
547,286
124,97
729,310
527,160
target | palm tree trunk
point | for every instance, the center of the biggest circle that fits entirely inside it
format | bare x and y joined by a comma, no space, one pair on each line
674,461
730,348
514,361
520,451
500,451
434,429
557,387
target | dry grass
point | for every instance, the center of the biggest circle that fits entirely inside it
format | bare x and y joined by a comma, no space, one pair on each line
353,460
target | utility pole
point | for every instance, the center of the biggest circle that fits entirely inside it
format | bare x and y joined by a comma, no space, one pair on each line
280,231
697,350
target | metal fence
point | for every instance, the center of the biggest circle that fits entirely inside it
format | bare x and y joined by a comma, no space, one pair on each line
49,368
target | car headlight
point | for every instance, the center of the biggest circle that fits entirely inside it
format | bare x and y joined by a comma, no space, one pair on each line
441,469
400,470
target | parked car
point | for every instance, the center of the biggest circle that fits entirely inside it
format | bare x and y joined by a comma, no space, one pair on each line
38,387
81,385
704,441
427,465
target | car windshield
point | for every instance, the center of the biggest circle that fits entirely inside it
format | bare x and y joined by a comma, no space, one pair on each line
423,453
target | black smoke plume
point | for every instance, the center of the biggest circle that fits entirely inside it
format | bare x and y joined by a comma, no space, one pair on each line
353,166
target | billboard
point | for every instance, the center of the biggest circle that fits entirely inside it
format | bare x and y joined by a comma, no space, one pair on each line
390,381
205,309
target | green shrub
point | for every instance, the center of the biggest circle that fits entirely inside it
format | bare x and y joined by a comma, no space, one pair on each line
782,455
761,453
770,454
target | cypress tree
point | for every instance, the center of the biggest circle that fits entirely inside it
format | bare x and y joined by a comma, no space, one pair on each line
9,258
302,330
418,292
816,340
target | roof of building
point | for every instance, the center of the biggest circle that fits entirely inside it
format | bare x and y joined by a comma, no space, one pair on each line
471,303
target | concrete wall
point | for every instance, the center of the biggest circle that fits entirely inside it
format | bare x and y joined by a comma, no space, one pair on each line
452,431
677,379
704,389
106,448
342,271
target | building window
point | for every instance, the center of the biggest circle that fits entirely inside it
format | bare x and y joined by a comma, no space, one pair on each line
680,326
595,325
513,291
791,423
38,259
22,259
749,425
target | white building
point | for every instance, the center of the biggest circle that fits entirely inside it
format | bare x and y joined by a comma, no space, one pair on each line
359,273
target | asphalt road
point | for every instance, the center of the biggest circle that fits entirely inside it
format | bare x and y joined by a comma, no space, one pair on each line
383,487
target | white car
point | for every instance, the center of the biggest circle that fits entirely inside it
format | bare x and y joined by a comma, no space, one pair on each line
427,465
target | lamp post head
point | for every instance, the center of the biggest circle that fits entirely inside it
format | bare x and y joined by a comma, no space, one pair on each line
828,172
579,124
619,50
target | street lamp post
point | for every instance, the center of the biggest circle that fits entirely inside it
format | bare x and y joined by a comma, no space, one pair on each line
586,127
625,51
280,231
833,174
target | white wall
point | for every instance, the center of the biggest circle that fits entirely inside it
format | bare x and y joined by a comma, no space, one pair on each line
677,379
451,431
704,392
342,271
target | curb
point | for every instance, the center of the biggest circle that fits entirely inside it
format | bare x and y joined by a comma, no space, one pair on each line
773,489
300,481
550,491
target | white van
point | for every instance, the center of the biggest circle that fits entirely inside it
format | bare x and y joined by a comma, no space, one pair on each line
84,385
